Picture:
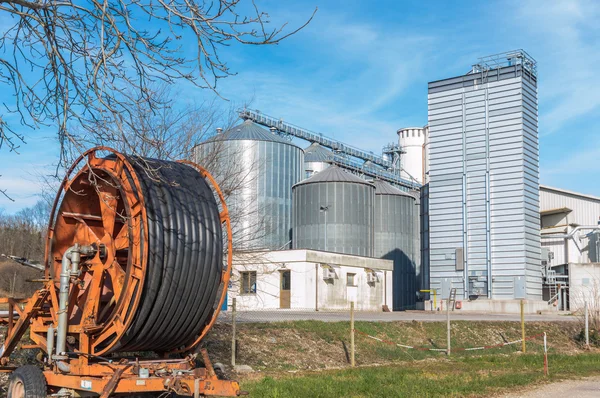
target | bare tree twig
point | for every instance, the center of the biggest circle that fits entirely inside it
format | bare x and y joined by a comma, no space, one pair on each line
3,192
81,65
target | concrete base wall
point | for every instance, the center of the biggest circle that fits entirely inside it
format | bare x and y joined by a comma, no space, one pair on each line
497,306
584,282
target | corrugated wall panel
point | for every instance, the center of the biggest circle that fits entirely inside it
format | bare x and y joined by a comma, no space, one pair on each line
483,131
260,175
346,227
397,239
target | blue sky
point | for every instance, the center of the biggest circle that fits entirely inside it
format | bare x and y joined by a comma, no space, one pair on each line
359,72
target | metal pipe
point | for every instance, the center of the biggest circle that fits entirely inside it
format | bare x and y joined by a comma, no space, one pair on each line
488,214
465,220
572,233
316,287
63,299
50,342
63,366
69,267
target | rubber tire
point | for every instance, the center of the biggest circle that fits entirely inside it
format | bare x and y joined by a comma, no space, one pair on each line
33,381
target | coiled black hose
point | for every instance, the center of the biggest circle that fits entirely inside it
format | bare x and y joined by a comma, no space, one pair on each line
185,257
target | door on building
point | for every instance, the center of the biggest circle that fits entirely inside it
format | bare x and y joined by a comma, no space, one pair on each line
285,291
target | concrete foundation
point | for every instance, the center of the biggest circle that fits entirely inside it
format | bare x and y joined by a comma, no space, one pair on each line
496,306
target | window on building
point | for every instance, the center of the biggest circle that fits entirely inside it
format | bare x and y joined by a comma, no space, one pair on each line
351,279
248,282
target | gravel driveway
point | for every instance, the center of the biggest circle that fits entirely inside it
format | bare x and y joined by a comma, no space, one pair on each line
584,388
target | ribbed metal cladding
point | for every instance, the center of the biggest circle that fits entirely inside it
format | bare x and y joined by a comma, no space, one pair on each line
483,189
257,170
397,239
424,233
333,211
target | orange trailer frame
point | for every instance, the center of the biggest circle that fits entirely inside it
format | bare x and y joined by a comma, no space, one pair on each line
95,330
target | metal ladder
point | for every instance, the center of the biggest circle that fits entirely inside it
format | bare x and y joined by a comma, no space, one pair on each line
452,298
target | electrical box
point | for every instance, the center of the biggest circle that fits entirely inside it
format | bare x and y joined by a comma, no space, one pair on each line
446,286
547,255
372,277
329,273
478,285
460,259
520,287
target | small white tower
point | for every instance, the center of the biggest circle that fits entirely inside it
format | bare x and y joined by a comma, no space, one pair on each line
415,157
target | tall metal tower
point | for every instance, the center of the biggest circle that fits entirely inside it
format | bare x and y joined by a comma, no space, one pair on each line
484,180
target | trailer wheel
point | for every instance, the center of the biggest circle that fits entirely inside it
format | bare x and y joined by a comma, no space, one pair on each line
27,382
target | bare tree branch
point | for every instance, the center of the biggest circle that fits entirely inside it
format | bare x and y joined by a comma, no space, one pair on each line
3,192
83,64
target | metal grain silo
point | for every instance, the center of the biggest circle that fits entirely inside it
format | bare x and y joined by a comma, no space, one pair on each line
397,239
315,159
333,211
256,169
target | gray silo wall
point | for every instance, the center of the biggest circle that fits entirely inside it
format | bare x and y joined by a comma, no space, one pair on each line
348,222
259,176
397,239
425,252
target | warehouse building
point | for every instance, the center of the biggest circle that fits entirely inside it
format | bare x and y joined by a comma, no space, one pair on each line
570,228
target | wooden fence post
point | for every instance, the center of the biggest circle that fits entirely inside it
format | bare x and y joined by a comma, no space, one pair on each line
233,337
587,325
352,363
448,325
523,346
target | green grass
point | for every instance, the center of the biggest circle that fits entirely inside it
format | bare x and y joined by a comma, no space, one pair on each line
464,376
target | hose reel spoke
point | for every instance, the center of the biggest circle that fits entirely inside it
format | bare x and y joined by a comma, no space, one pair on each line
156,274
117,277
107,196
122,239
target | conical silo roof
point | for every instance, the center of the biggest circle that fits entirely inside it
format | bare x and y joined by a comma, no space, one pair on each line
248,130
383,188
316,153
333,174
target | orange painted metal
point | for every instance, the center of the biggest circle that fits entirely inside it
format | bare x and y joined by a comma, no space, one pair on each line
182,385
100,203
100,378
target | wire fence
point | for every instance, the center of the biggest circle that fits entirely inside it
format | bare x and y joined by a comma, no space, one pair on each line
305,339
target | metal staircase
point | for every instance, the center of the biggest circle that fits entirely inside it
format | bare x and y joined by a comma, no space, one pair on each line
552,286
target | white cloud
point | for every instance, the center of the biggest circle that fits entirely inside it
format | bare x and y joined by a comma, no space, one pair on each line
352,71
566,34
24,192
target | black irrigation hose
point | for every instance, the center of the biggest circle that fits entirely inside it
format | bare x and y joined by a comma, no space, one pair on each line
185,254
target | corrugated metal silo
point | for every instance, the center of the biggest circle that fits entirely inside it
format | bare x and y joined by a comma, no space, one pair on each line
257,170
397,239
333,211
315,159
